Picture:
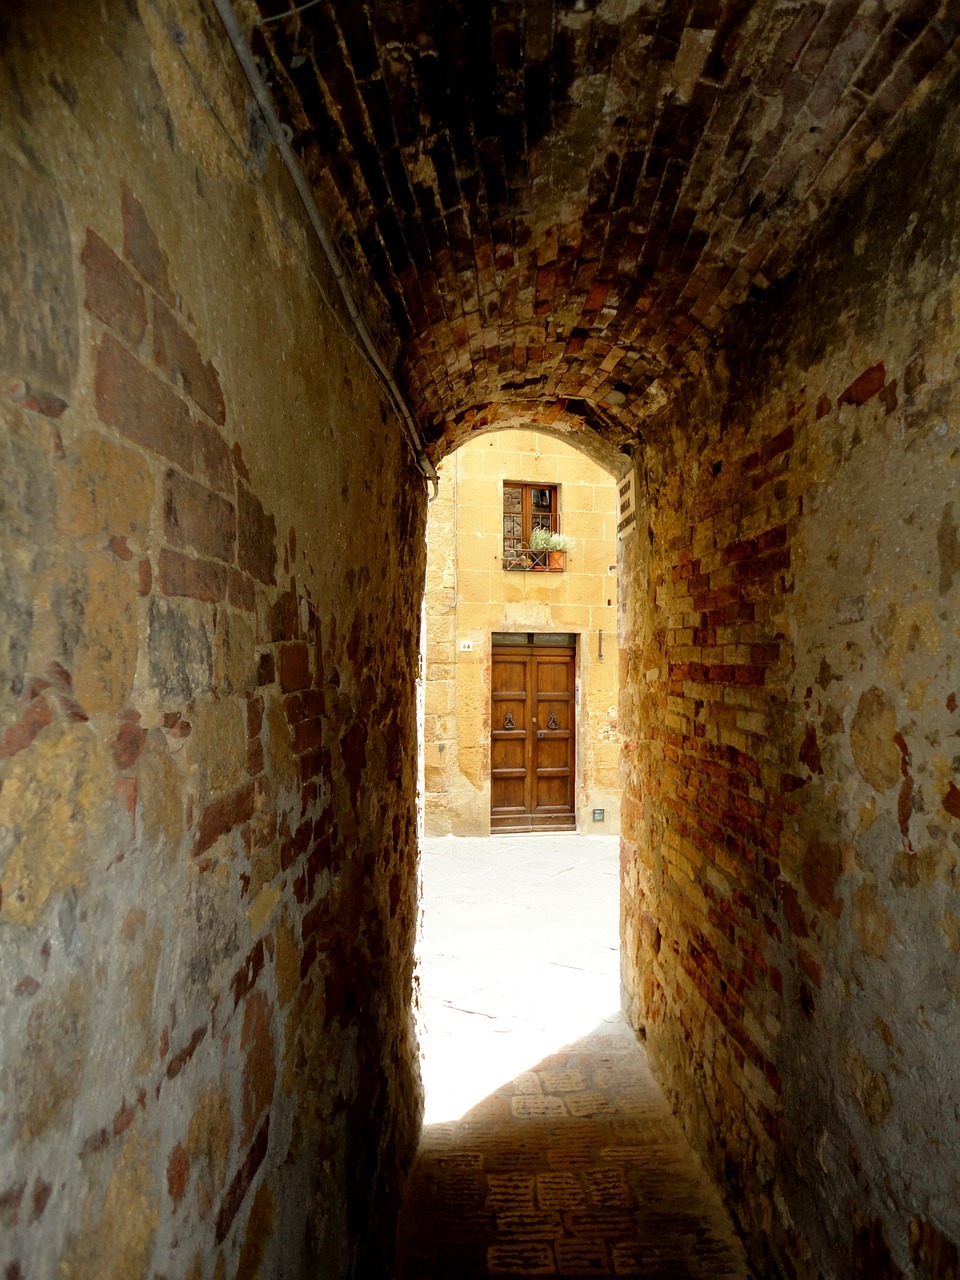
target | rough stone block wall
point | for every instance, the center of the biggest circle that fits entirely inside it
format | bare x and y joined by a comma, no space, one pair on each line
791,813
211,558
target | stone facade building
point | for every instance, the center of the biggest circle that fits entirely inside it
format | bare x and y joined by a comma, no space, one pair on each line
493,610
260,270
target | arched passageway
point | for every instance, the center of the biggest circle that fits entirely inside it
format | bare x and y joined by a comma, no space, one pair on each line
718,235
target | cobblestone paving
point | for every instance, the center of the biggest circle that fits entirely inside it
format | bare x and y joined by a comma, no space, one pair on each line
573,1166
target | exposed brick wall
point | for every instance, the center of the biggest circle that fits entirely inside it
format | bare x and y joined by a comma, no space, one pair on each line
207,727
705,781
563,202
790,829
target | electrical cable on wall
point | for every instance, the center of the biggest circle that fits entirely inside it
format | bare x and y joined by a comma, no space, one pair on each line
262,95
288,13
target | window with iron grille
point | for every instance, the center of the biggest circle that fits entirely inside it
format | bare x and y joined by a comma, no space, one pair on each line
526,507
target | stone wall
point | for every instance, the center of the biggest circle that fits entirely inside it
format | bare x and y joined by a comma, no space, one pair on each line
791,814
207,718
469,596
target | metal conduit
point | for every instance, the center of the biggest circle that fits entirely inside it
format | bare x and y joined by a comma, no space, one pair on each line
262,94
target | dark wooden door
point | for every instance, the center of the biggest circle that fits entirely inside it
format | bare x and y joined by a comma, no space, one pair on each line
533,732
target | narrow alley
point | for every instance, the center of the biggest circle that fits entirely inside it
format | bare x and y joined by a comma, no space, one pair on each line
277,278
548,1149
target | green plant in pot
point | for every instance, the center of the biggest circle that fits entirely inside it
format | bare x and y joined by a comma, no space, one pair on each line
516,561
555,545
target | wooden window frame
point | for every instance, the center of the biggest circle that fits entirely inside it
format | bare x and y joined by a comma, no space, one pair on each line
527,513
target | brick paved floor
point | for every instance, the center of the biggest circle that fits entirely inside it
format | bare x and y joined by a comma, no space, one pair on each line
569,1163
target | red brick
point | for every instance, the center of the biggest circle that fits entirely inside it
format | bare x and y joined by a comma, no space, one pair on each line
294,667
177,354
145,577
888,397
119,547
304,706
790,782
739,611
245,979
221,816
257,533
127,744
307,734
772,539
178,1173
721,673
242,1180
284,621
199,579
195,517
240,591
239,465
596,297
546,282
314,764
254,716
255,757
739,551
767,566
141,246
41,1196
863,388
126,1114
180,1060
214,464
724,596
112,293
36,717
749,675
809,966
37,400
139,405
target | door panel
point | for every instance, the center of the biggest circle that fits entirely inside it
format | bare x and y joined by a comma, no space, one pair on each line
553,773
509,747
532,739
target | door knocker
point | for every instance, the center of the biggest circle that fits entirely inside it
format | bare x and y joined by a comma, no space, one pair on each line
508,721
552,722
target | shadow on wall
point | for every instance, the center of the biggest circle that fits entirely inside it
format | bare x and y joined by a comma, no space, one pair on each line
790,807
207,781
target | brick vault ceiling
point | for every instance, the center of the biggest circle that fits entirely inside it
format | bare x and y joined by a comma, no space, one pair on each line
550,206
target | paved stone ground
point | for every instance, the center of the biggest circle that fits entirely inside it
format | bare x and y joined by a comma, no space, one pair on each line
548,1148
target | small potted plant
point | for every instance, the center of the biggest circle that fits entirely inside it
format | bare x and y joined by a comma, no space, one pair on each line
516,560
556,545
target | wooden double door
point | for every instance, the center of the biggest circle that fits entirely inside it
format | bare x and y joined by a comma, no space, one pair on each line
533,737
